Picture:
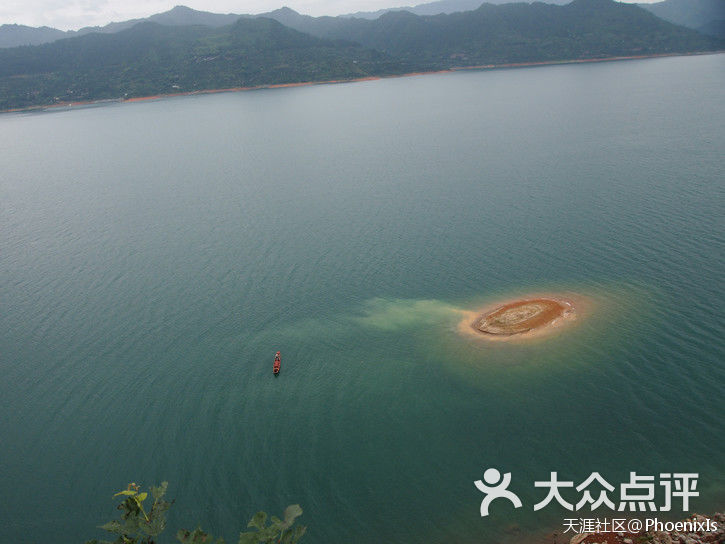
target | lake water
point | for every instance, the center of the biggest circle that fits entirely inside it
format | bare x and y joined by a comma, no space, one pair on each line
155,255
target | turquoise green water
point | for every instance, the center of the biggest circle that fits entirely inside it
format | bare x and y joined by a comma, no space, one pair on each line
155,255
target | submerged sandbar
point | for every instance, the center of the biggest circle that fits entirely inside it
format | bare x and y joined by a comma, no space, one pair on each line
520,318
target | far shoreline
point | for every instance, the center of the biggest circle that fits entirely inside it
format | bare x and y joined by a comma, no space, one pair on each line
479,67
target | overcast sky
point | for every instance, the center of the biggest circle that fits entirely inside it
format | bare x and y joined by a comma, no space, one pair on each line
73,14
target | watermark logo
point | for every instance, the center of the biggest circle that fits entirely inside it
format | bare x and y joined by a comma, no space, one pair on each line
591,525
498,490
637,494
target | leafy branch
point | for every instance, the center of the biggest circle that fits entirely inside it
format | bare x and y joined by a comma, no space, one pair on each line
137,526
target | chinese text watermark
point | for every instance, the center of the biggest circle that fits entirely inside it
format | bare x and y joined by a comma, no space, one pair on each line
637,494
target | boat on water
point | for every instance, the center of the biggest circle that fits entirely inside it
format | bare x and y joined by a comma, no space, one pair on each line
277,363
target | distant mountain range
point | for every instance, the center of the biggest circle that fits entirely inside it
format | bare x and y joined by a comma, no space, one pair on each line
506,33
438,7
16,35
168,55
707,16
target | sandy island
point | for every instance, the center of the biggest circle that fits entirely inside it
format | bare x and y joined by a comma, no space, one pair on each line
528,317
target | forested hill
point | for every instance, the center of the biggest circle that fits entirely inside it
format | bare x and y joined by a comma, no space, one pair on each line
510,33
150,58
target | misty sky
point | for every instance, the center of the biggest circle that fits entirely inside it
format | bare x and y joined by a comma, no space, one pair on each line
74,14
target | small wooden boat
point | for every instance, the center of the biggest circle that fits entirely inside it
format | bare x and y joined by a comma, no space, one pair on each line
277,363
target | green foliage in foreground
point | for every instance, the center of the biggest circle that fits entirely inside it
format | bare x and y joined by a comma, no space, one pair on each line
138,526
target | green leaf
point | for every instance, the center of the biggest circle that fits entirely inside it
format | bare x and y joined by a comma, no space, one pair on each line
258,521
248,538
269,534
126,492
298,533
158,492
142,496
292,512
112,527
197,536
293,536
130,525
